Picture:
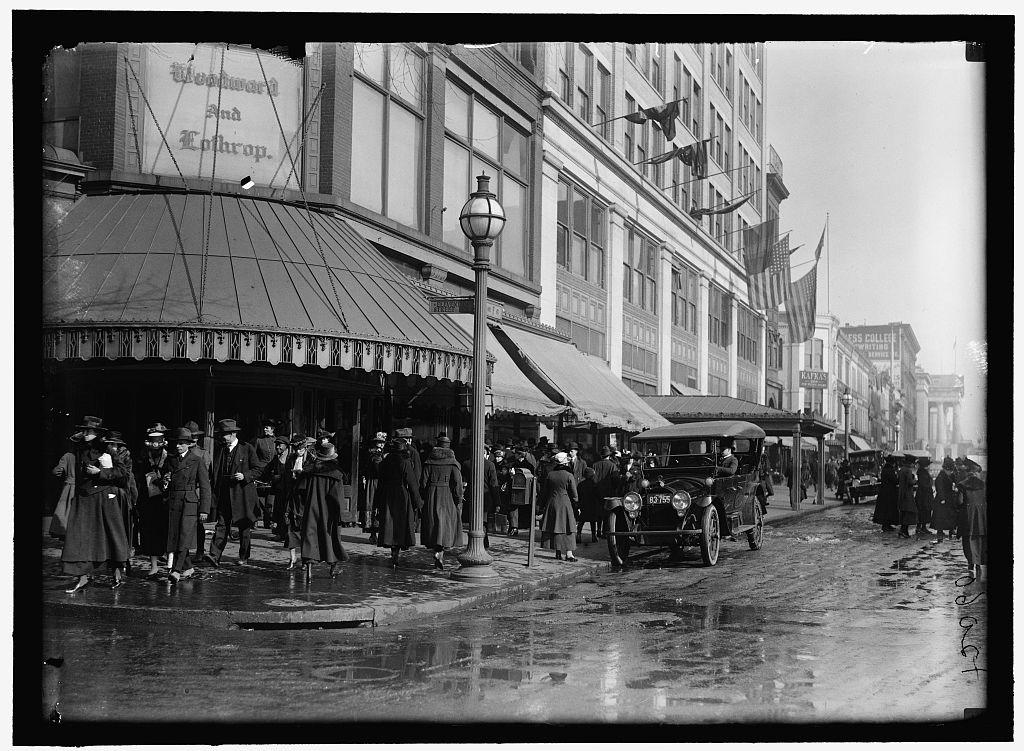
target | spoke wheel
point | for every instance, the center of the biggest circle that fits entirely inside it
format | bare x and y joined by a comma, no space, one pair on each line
711,536
618,547
755,536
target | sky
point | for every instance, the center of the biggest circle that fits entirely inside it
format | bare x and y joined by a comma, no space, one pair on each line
888,141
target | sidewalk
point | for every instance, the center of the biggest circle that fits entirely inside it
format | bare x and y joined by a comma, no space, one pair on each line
367,591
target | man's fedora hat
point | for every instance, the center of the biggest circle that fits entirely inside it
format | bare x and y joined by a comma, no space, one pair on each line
227,425
194,427
179,434
403,433
114,436
96,423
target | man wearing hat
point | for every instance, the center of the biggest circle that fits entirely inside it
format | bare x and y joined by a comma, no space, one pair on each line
206,456
151,506
405,435
924,496
606,477
974,533
576,463
946,500
187,494
264,444
235,469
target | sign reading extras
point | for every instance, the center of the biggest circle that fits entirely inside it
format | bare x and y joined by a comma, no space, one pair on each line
222,111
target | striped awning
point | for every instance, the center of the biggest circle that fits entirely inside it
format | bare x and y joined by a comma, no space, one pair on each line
124,276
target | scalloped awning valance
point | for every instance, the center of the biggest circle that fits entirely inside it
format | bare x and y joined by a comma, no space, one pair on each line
139,269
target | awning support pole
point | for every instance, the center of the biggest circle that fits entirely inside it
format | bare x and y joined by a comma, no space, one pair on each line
820,481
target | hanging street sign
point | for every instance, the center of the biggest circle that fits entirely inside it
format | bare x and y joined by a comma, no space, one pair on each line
813,379
464,304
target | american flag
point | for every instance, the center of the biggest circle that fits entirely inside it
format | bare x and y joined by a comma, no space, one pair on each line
756,246
802,306
768,289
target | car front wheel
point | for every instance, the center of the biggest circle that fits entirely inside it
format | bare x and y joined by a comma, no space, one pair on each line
711,537
755,536
618,547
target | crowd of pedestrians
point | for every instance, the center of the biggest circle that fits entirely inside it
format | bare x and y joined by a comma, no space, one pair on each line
952,506
114,507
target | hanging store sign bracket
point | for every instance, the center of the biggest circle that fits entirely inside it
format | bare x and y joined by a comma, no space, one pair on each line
465,304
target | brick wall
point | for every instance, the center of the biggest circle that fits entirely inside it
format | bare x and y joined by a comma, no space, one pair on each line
101,65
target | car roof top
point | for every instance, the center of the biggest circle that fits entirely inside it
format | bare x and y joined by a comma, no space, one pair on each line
704,429
866,451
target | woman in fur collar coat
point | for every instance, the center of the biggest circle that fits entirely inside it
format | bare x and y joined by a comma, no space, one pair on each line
441,488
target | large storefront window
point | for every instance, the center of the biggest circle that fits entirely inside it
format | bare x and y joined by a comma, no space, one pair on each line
581,233
481,141
582,317
387,131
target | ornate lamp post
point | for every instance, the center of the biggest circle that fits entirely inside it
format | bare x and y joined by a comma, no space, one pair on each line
847,400
899,419
482,220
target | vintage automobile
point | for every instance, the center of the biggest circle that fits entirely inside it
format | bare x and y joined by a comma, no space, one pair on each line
865,470
681,496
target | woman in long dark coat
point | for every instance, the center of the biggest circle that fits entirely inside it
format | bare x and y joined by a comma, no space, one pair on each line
278,476
95,530
441,488
906,480
975,536
370,469
558,527
187,496
320,525
295,509
397,500
151,505
924,496
945,502
887,510
590,510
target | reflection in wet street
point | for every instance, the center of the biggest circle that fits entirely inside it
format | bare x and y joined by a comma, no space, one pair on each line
831,620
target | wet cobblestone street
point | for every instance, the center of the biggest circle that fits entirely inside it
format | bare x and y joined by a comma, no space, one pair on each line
831,621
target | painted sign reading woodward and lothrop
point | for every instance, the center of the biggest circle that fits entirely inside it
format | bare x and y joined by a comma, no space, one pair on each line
241,130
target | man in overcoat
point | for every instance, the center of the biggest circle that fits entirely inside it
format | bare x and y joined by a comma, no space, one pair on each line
187,495
235,469
606,477
200,450
405,435
576,463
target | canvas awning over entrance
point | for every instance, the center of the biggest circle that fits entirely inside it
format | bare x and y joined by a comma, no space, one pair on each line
133,275
511,390
594,393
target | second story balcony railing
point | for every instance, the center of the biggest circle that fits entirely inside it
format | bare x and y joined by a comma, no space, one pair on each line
774,161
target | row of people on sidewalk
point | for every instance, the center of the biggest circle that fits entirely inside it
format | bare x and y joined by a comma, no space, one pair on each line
953,505
112,507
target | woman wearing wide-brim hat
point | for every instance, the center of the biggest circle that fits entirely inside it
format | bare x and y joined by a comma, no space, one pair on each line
151,506
319,529
558,526
96,534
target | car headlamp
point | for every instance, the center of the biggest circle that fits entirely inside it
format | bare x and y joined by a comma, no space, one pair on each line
681,500
631,502
645,483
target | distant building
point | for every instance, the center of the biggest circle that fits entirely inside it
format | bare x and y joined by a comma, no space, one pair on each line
892,349
938,414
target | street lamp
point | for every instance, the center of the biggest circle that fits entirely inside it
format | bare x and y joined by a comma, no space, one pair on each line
482,220
847,400
899,418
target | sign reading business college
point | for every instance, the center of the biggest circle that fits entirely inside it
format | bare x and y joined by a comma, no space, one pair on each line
242,132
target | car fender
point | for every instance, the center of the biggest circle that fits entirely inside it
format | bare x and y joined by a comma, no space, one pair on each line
612,502
704,501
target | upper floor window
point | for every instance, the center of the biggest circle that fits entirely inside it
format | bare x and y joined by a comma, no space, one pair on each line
61,77
480,140
685,291
748,336
581,233
629,130
387,131
717,133
728,75
774,351
719,316
814,354
631,52
640,271
524,53
726,143
602,102
583,74
657,66
697,112
565,57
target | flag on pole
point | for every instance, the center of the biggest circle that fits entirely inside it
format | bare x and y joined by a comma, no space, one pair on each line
695,156
802,305
757,241
769,288
821,244
724,209
664,115
664,157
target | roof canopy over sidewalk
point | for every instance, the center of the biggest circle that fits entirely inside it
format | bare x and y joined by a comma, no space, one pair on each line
774,422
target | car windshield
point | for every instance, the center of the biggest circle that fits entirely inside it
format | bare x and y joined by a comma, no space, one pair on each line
691,452
864,463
